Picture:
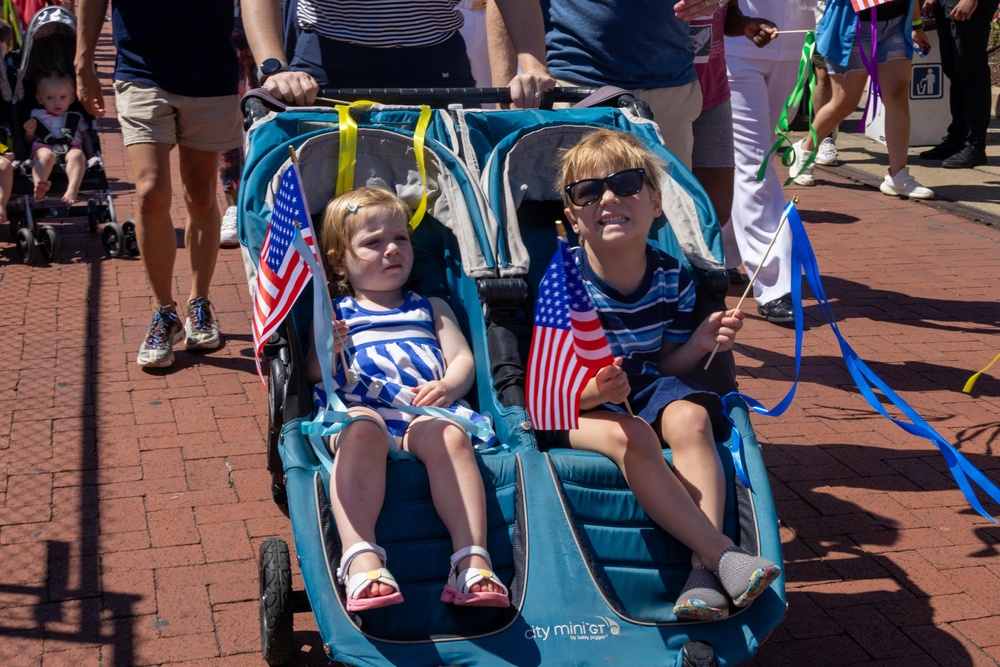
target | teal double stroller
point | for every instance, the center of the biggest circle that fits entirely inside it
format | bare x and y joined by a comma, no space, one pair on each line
592,579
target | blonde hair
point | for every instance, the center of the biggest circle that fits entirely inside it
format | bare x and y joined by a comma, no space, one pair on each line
335,240
603,152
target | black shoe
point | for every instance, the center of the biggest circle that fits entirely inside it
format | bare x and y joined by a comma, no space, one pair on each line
737,277
778,311
967,158
943,150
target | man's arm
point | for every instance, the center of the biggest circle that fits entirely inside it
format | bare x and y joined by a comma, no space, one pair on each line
262,23
528,41
89,22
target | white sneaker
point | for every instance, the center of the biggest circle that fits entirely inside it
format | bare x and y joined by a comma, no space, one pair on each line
826,154
904,185
230,237
798,172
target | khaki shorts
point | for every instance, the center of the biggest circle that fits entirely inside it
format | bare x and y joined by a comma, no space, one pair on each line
674,110
151,115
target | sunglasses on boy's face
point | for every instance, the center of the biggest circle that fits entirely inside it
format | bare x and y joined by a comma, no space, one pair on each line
623,183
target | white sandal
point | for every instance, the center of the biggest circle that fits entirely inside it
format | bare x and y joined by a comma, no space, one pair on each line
361,581
456,591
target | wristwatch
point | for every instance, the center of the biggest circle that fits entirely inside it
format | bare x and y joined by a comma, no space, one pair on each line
270,67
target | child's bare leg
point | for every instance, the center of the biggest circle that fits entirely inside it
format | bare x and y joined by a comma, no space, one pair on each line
636,450
76,164
43,160
687,428
357,490
456,487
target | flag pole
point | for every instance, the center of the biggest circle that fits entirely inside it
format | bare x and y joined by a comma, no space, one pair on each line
561,233
343,358
784,218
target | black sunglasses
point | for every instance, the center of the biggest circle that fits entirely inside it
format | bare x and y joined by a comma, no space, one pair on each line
623,183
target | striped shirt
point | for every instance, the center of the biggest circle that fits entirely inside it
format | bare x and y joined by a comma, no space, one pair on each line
391,353
381,23
639,324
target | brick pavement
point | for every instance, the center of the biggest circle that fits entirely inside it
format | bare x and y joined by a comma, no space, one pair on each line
132,504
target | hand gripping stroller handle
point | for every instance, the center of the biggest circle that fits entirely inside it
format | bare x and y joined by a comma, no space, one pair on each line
442,97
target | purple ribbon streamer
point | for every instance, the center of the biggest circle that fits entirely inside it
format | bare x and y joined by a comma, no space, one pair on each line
871,64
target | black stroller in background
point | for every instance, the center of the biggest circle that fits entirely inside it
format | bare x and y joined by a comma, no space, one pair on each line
50,45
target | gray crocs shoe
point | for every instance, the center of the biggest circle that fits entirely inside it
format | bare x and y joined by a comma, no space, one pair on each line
744,576
702,598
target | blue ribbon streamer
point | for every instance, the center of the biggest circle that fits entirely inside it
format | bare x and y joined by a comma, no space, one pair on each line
962,470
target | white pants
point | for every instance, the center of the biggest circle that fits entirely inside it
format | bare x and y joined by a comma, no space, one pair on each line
759,90
474,33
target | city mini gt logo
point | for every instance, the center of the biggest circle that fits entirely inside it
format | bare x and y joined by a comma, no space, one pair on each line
595,630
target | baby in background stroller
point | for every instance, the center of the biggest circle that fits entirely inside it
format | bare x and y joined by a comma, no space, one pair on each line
57,135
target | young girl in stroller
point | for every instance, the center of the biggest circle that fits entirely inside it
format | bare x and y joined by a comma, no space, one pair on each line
57,135
398,348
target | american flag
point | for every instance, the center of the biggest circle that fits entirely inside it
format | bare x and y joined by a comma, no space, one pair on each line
568,345
860,5
282,273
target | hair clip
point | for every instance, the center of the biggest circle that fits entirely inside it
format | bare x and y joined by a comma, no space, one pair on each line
353,208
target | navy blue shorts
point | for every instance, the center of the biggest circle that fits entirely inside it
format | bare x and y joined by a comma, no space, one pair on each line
336,64
648,403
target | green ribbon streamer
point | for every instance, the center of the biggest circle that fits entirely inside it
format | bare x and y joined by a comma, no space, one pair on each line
806,79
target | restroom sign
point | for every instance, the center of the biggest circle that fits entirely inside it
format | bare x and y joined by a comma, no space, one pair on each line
927,82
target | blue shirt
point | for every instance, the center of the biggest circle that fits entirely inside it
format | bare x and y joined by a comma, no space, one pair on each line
182,46
626,43
638,324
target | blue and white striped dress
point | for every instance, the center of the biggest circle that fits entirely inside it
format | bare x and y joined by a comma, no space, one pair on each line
391,353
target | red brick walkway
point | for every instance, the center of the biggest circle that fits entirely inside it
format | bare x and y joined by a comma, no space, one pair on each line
132,504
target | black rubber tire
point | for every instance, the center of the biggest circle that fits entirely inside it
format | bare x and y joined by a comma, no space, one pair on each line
48,242
26,245
698,654
113,239
276,612
131,242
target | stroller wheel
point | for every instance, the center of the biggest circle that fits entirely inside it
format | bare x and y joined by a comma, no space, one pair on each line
26,245
276,610
48,242
698,654
112,237
131,244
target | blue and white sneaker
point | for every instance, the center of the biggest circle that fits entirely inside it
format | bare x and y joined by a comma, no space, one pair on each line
157,349
202,332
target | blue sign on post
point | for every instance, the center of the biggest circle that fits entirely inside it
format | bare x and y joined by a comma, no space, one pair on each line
927,82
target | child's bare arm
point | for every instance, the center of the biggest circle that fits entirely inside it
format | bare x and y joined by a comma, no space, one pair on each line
30,126
313,370
460,367
609,385
718,328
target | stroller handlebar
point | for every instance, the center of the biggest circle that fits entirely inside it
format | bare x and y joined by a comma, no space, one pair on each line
257,103
441,97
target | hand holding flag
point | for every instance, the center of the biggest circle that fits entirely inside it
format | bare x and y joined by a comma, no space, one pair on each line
568,345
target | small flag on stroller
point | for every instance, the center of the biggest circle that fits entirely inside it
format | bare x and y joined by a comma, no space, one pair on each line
568,345
861,5
282,273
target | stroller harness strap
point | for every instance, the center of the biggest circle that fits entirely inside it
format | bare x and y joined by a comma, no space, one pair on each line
62,139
